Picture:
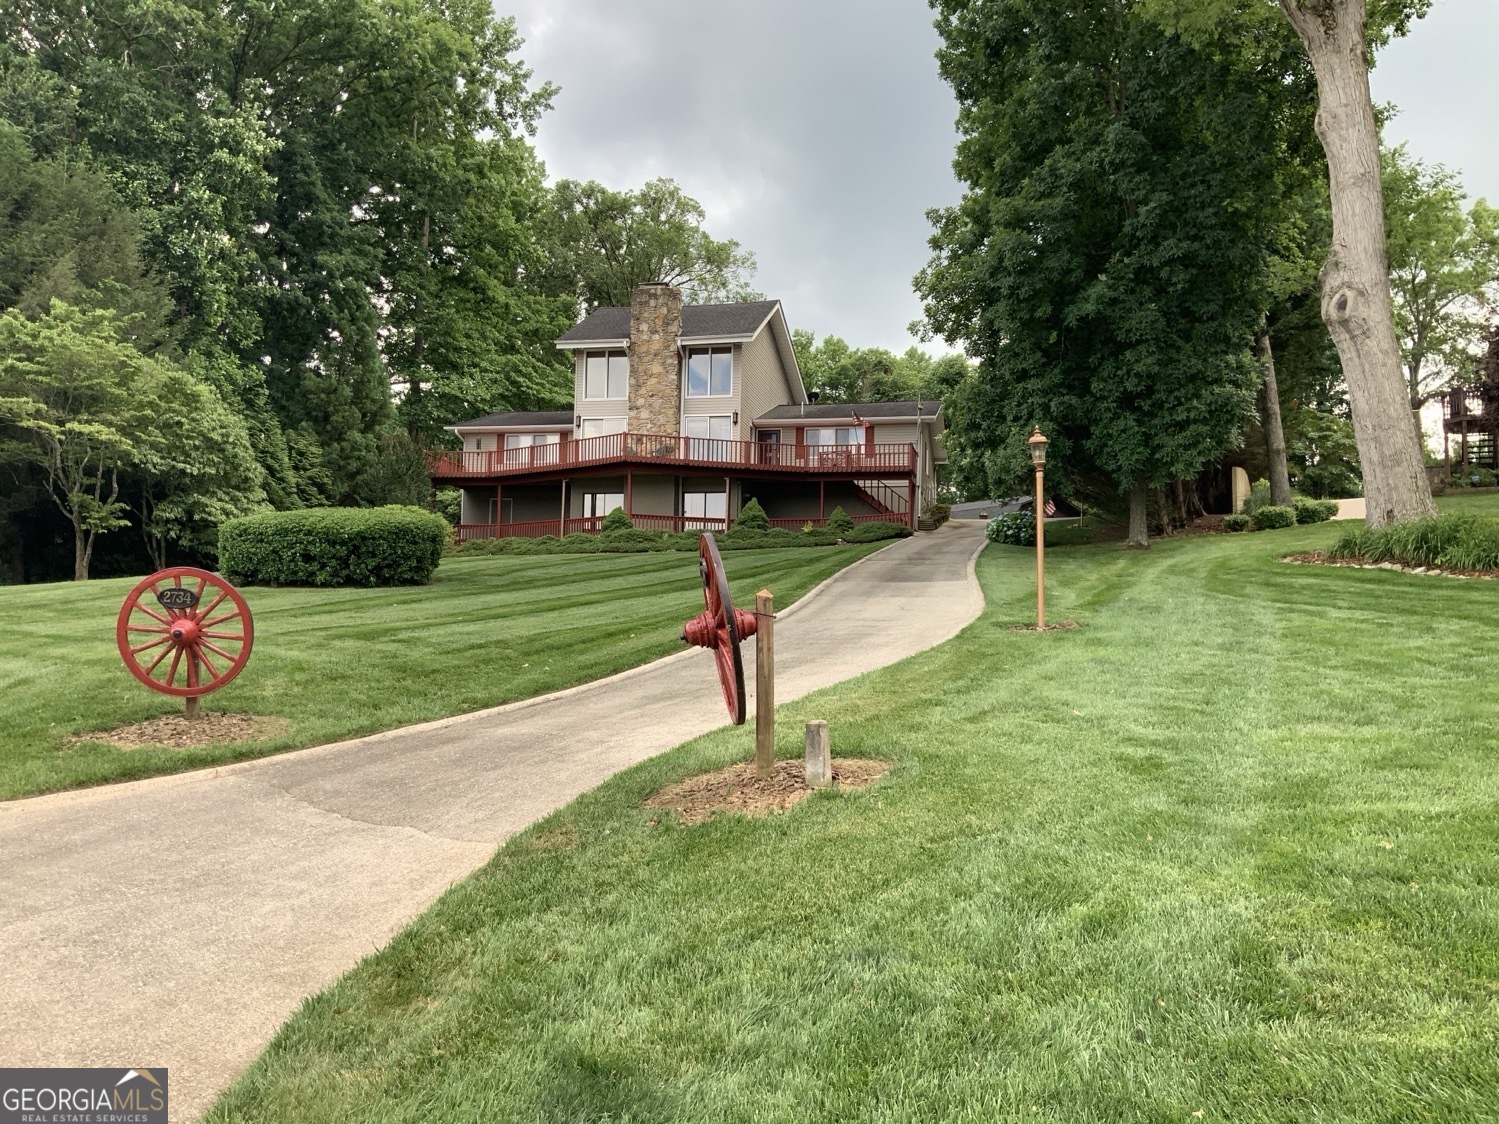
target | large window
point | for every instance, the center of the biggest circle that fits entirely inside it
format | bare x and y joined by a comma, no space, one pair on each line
596,505
602,427
711,434
841,435
710,372
698,506
532,448
606,374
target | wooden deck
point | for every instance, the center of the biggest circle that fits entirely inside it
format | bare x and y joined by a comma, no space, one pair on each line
711,456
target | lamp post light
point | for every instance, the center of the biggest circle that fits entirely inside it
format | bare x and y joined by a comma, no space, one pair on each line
1037,445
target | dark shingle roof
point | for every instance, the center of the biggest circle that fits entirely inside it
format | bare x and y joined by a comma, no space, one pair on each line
613,323
826,411
534,417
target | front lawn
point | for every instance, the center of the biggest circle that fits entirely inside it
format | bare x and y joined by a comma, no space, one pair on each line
1224,853
338,663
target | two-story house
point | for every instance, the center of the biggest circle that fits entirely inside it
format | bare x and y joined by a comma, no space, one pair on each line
681,415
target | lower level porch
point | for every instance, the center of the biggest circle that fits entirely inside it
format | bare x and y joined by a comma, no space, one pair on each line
662,502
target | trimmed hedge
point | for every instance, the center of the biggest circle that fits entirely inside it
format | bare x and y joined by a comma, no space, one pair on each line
637,541
1314,511
333,546
1236,523
1272,518
1458,542
752,517
616,520
840,522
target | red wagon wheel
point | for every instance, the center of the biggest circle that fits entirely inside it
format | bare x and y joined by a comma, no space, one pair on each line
194,638
721,627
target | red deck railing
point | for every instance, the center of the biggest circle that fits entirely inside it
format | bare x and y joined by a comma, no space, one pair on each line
695,452
465,532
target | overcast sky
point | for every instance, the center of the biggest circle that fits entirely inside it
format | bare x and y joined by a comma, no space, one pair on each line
817,132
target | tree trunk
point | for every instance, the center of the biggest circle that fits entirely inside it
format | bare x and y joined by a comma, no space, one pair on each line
81,551
1275,434
1139,515
1356,302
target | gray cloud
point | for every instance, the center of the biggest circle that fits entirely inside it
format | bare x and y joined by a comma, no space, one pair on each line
814,134
817,133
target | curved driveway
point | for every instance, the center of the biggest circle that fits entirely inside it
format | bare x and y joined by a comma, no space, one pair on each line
179,921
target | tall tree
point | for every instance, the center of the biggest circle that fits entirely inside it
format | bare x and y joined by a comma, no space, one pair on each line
1356,302
1106,264
1444,271
603,243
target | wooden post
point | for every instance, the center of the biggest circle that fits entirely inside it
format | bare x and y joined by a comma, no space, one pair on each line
765,685
629,491
822,501
192,707
817,765
562,523
1040,548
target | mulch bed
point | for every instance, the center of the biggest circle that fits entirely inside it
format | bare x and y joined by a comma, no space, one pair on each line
174,731
737,789
1060,626
1318,558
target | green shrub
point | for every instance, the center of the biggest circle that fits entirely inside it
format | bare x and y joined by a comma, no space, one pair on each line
752,517
878,530
333,546
638,541
1015,528
1472,476
1272,518
1459,542
1259,496
939,513
1236,523
1314,511
840,522
616,520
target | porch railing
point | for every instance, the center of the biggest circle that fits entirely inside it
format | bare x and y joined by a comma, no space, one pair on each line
589,525
701,452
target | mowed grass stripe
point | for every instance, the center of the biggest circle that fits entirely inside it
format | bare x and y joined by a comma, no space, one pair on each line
339,663
1135,872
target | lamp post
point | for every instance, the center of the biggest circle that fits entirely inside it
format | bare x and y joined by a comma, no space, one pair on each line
1037,445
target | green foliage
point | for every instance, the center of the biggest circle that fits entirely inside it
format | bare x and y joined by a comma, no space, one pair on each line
752,517
840,522
939,512
1014,528
616,520
643,542
1472,476
1272,518
334,546
1313,511
601,244
840,373
1459,542
1259,496
1236,523
448,502
1108,262
1444,270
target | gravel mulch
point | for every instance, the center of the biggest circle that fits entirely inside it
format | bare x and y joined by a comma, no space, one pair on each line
737,789
175,731
1318,558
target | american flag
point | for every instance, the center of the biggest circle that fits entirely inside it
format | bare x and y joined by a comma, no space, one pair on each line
1050,508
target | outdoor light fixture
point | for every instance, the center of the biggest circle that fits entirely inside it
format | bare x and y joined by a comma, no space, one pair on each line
1037,445
577,421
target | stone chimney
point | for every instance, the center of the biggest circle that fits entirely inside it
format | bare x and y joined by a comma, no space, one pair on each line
655,369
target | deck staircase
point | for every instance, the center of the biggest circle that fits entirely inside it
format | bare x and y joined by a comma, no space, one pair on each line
883,499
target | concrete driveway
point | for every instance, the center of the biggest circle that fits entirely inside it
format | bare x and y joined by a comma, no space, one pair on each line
179,921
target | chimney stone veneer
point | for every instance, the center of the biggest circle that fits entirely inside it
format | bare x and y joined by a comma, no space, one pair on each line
655,369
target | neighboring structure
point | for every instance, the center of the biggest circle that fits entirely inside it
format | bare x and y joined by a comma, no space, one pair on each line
1471,414
681,415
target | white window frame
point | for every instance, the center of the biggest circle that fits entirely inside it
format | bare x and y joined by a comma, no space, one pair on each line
856,432
596,505
705,446
611,359
707,502
518,448
604,425
710,352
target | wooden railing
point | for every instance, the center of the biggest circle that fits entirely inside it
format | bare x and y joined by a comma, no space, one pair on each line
589,525
699,452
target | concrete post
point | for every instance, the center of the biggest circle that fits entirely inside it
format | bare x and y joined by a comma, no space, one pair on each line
818,767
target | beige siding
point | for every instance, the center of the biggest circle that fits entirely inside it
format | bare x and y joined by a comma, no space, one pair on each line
895,433
763,381
654,495
593,407
722,404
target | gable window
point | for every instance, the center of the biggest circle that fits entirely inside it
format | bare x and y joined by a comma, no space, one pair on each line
606,374
710,372
840,435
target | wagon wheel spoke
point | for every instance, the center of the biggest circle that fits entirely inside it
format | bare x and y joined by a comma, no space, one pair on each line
202,658
214,604
215,650
172,671
154,616
148,645
163,654
147,628
220,620
223,635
